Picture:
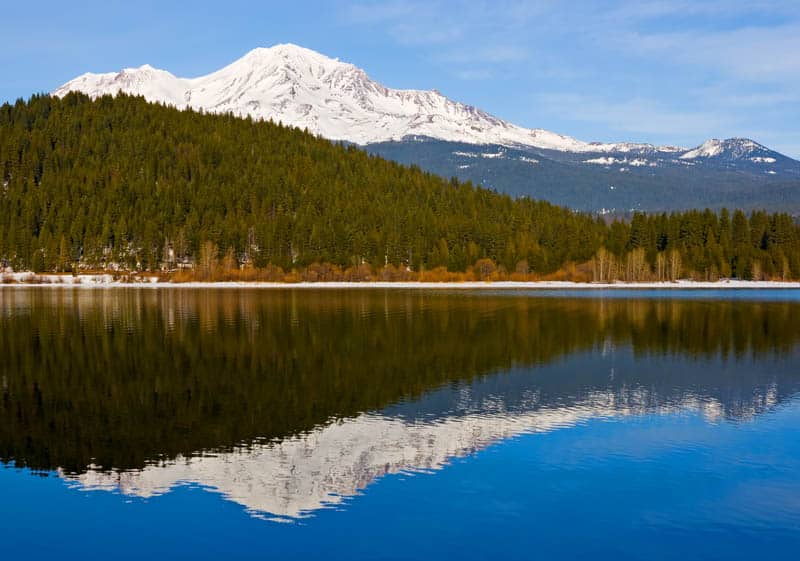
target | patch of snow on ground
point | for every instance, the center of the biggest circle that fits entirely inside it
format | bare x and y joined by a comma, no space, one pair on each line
604,161
608,161
22,279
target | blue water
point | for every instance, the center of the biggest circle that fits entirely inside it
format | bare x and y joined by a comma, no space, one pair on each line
714,294
616,450
674,487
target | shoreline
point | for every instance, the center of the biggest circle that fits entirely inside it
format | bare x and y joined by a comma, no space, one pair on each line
22,280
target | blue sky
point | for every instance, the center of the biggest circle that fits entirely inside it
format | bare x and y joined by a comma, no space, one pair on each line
667,72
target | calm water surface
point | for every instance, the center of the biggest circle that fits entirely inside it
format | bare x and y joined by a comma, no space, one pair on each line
370,424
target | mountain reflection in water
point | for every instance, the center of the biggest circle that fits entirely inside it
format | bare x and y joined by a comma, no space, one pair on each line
287,402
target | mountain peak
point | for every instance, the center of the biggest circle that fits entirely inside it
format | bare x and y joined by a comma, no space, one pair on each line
729,148
337,100
289,51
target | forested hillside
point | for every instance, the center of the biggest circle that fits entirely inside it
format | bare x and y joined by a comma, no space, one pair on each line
119,182
618,183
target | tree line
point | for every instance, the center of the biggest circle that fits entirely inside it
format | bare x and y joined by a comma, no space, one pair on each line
119,183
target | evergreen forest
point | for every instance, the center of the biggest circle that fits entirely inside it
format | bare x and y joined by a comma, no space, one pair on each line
117,183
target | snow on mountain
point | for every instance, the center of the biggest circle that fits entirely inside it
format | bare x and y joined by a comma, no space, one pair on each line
336,100
302,88
153,84
609,161
732,148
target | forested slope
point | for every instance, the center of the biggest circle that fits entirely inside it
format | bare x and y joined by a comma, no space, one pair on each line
122,182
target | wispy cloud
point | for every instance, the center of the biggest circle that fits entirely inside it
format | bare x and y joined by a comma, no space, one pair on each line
727,95
750,53
379,12
634,115
463,32
408,34
721,10
489,54
474,74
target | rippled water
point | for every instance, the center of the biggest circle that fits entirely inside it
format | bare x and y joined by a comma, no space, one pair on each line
370,424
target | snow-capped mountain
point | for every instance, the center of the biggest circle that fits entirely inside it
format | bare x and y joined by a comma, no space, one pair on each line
336,100
732,149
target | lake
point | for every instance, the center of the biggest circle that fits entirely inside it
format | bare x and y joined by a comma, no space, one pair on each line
399,424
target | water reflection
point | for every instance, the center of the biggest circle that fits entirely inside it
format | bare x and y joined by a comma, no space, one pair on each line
289,402
297,475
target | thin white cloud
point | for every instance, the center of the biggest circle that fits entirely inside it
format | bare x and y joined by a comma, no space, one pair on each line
407,34
473,74
636,11
378,12
751,53
727,95
490,54
635,115
476,29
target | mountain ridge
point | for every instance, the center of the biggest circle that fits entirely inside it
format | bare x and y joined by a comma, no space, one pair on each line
338,100
615,183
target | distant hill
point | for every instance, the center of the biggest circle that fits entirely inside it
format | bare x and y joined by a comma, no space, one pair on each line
734,173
